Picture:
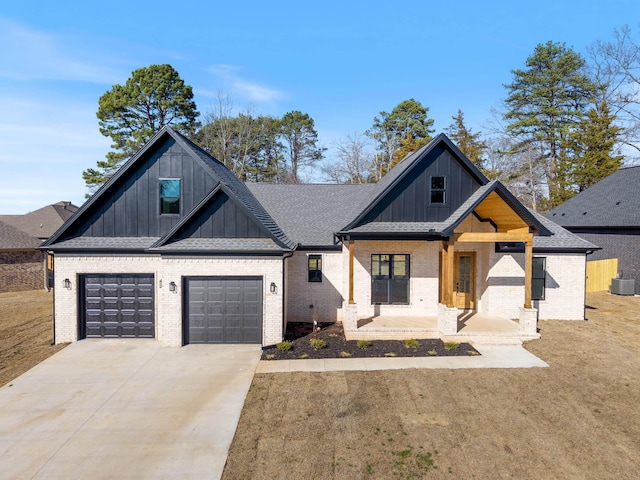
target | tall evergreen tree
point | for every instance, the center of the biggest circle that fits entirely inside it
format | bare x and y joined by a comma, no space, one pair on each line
403,130
469,143
132,113
300,138
545,101
593,143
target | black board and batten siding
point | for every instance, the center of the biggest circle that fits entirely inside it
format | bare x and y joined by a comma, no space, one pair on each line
409,200
133,210
221,218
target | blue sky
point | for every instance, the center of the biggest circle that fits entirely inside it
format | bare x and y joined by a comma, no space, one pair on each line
340,62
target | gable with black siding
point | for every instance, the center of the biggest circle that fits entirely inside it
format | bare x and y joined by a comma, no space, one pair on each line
409,199
133,207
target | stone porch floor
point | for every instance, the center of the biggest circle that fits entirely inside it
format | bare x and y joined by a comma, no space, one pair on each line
473,327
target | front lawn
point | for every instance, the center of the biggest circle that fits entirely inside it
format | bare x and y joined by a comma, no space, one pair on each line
577,419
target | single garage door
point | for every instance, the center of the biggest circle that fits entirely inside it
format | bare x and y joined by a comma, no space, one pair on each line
117,306
223,310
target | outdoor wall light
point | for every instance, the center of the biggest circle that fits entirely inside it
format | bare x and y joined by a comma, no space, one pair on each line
273,288
67,283
172,287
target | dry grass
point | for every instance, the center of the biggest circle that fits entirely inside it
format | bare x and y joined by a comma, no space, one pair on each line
577,419
26,332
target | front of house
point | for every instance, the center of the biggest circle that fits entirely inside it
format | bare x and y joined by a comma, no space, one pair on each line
174,247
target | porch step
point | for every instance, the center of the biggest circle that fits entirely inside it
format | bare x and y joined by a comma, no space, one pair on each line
490,341
391,334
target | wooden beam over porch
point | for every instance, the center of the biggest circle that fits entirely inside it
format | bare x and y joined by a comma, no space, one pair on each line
493,237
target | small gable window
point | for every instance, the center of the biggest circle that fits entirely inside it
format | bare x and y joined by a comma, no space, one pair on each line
438,190
315,268
169,196
538,278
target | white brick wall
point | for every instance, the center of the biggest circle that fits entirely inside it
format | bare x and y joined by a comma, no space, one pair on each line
564,293
326,296
168,306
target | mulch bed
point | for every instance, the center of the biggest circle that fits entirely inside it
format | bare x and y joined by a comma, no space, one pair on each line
300,334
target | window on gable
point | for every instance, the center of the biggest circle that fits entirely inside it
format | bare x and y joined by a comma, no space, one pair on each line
438,190
538,278
315,268
169,196
390,279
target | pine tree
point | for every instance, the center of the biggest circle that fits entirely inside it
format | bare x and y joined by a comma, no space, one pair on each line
545,101
593,143
403,130
469,143
132,113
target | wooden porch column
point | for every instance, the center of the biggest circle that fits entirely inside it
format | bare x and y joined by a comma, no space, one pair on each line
447,274
528,269
352,247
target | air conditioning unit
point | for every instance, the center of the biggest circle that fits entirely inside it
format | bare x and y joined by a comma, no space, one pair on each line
623,286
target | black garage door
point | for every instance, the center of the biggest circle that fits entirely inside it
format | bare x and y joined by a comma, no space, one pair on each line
223,310
117,306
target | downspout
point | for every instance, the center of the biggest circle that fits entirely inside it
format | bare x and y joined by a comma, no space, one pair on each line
53,293
584,309
284,293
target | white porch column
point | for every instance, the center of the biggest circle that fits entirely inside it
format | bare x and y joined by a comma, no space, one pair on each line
447,319
529,322
350,317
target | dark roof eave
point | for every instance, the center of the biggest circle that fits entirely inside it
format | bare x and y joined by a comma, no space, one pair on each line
565,249
391,235
218,252
53,248
302,247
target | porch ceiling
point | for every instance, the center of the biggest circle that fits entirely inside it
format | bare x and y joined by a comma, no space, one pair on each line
494,208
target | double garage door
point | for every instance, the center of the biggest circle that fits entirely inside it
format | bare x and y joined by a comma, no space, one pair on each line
215,309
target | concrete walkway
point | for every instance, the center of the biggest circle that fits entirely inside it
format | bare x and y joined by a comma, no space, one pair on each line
490,357
127,409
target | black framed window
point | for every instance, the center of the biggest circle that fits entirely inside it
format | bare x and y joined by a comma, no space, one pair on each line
438,190
538,277
169,195
507,247
390,279
315,268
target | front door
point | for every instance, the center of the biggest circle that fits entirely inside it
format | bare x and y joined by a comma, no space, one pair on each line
465,286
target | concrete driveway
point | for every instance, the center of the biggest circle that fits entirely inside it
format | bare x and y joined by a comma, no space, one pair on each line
125,409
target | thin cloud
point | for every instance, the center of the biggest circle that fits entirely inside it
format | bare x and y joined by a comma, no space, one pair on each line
229,75
32,54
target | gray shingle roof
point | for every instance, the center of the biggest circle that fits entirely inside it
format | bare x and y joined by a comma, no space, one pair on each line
106,243
41,223
13,239
311,214
221,245
561,239
612,202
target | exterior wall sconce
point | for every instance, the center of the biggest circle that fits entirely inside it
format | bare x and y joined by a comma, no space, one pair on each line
172,287
273,288
67,283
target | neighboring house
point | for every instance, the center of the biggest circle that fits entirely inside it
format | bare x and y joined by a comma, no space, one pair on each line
22,265
175,247
608,214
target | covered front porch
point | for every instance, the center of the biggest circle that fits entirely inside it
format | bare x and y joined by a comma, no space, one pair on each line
456,282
